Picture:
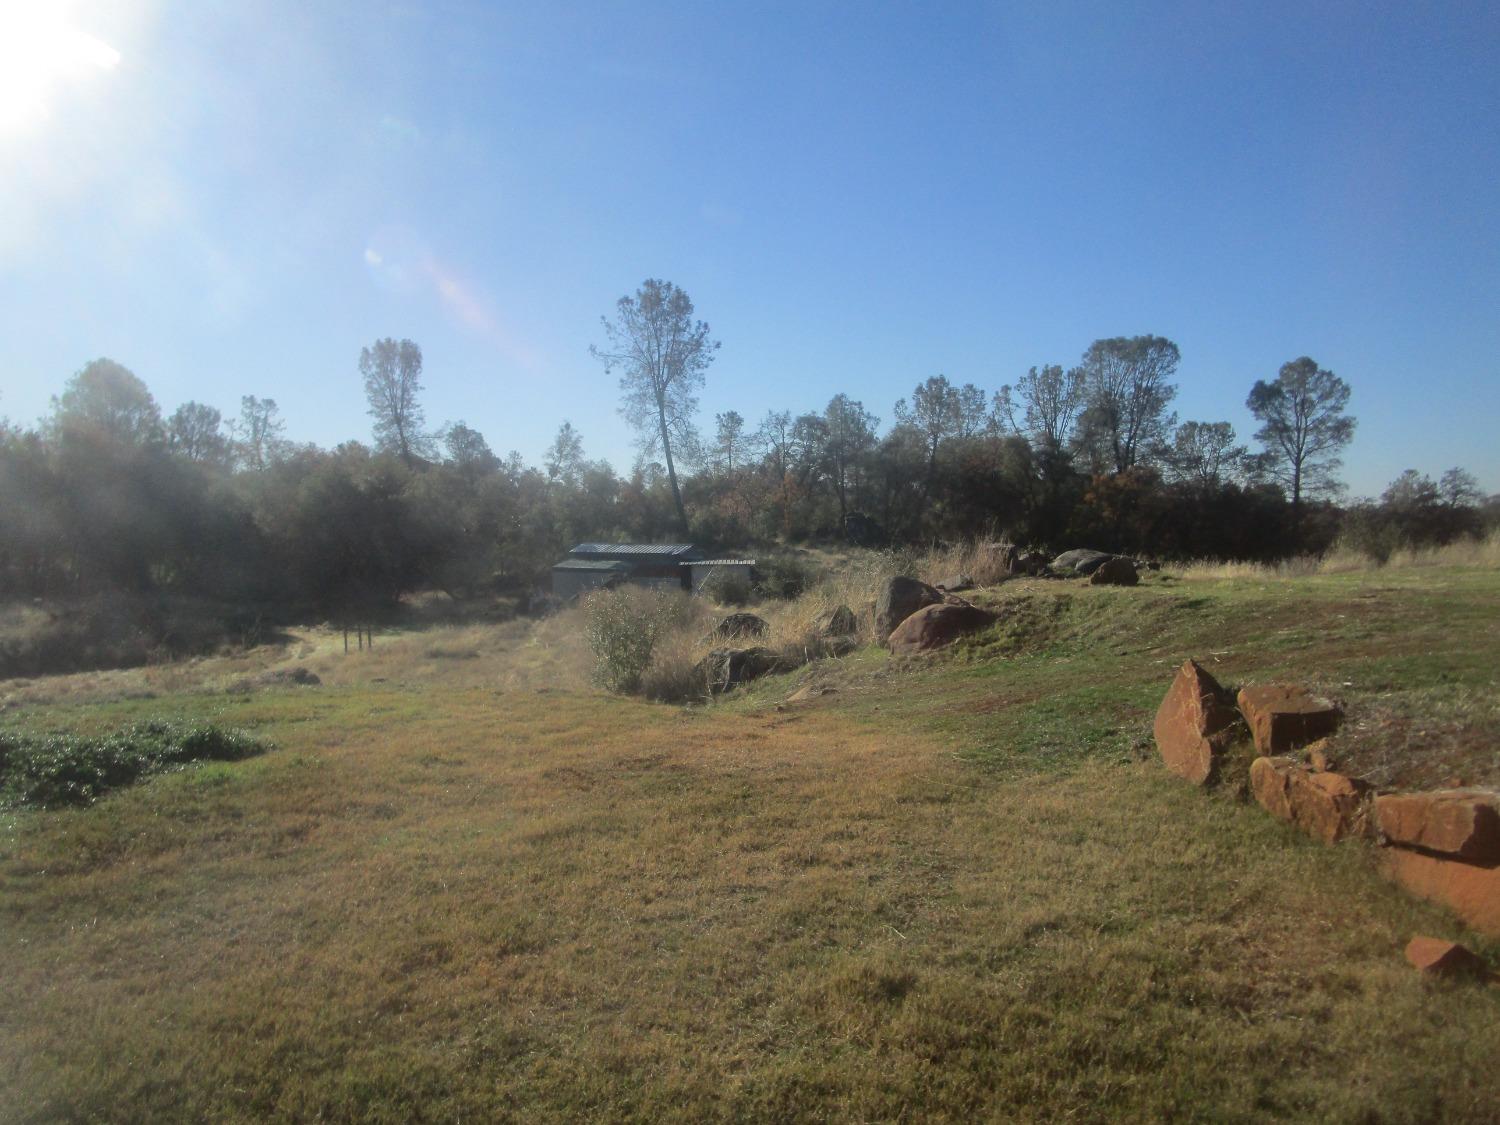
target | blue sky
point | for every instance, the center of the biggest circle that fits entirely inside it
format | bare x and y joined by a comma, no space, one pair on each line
232,198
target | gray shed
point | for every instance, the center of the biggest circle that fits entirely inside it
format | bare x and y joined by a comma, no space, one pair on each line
573,577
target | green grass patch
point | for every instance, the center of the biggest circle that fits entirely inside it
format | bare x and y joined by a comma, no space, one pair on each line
53,770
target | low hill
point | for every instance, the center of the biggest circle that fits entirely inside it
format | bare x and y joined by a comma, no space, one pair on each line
464,885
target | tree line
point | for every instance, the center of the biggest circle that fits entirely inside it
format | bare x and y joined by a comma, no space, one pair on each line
110,493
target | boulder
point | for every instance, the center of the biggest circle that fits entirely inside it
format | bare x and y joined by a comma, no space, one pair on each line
1118,571
836,622
1285,717
1081,560
1435,957
726,668
1470,890
956,583
1464,823
900,597
741,625
1327,806
1030,562
934,626
1195,724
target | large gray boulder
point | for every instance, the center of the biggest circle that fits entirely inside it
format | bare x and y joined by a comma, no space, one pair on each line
900,597
741,625
1081,561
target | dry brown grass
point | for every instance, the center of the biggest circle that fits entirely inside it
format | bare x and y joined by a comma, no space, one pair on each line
948,891
1463,554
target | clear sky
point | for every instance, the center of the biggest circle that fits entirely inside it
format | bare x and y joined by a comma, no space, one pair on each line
233,197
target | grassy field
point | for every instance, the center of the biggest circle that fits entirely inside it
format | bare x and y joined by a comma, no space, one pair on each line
466,887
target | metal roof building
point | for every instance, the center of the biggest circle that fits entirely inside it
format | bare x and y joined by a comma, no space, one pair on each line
590,566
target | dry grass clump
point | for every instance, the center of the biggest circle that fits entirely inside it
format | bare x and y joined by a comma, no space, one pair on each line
982,561
1342,558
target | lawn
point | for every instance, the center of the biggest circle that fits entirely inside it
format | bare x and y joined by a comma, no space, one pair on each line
955,888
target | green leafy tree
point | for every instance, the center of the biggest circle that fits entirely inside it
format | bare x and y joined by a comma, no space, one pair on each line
195,433
662,355
106,398
1303,428
729,438
565,456
850,438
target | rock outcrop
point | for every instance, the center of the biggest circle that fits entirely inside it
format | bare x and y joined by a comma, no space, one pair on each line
900,597
935,626
726,668
1118,571
1195,724
1470,890
1327,806
1462,823
1285,717
741,625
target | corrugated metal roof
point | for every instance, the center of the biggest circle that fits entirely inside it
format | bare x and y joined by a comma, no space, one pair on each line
721,562
591,564
631,549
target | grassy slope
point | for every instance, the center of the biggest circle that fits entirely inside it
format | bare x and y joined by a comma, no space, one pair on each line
956,889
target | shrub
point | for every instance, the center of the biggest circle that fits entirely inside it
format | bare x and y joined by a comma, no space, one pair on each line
783,576
624,626
726,588
70,769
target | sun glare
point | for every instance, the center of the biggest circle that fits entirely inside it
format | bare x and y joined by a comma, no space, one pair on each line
40,51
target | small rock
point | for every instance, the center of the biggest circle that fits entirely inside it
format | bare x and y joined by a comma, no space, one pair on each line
810,691
934,626
956,584
1117,571
837,622
1327,806
1464,823
1284,717
1435,957
1195,724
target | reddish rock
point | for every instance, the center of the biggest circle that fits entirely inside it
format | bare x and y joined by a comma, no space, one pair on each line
1470,890
1458,822
1118,571
901,597
1195,724
934,626
1327,806
1432,956
1283,717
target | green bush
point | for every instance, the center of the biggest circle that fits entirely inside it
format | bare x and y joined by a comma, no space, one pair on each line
623,627
71,769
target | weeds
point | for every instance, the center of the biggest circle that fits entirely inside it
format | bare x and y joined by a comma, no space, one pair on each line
69,769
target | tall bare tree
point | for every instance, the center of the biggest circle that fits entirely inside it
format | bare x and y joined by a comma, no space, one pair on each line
1303,428
1127,391
662,354
392,371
